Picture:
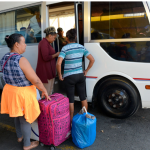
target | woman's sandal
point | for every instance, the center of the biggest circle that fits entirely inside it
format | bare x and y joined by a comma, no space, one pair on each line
33,145
20,139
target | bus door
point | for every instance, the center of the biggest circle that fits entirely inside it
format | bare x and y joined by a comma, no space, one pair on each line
79,25
79,21
65,15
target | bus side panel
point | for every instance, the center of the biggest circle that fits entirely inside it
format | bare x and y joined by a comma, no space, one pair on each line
104,65
90,84
145,94
31,54
3,51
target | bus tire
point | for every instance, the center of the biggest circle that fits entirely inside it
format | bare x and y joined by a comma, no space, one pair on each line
118,97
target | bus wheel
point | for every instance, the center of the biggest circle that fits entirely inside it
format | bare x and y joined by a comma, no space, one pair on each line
118,97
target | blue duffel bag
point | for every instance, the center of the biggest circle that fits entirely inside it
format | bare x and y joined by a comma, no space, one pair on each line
83,129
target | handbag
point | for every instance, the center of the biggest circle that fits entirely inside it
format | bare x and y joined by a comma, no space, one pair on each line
1,78
2,81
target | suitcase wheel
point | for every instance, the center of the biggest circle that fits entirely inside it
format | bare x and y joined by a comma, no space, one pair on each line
52,147
41,144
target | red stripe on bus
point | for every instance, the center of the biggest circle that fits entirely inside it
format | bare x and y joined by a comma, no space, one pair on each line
91,77
0,71
140,79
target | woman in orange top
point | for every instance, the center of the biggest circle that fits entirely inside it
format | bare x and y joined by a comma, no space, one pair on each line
19,94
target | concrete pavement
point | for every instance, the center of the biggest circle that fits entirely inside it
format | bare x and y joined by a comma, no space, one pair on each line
112,134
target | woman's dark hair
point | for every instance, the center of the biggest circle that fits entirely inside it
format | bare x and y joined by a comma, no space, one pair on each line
71,35
12,39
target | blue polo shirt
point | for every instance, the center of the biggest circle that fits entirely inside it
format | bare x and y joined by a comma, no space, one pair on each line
73,54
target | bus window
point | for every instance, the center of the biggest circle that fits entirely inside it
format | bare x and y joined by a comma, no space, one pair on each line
62,16
128,51
112,20
25,21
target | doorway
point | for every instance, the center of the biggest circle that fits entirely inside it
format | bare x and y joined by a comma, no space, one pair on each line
65,15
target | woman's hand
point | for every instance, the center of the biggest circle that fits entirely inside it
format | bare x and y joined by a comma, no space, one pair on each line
61,78
85,72
57,54
45,94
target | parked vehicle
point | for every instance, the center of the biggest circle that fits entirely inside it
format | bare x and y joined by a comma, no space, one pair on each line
115,33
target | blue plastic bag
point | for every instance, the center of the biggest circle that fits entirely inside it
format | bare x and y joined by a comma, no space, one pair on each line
83,129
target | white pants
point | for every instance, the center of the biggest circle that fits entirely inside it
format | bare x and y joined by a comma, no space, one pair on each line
49,86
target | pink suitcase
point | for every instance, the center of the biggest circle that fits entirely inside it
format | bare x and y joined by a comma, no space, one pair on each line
54,120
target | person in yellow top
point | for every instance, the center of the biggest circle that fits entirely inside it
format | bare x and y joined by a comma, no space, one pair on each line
19,93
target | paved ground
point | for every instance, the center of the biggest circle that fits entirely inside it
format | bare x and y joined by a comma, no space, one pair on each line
112,134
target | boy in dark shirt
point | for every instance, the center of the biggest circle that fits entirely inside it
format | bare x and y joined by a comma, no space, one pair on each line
62,39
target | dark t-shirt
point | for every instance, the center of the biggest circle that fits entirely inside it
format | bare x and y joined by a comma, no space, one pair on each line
61,40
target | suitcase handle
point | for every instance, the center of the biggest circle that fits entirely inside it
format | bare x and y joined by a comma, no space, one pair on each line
56,94
53,95
50,96
43,98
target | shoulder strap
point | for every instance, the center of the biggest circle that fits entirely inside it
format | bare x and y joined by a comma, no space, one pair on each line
7,60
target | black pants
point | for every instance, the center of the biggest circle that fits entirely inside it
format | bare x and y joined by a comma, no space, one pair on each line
75,81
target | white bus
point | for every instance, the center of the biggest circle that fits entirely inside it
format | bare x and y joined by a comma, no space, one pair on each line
117,34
